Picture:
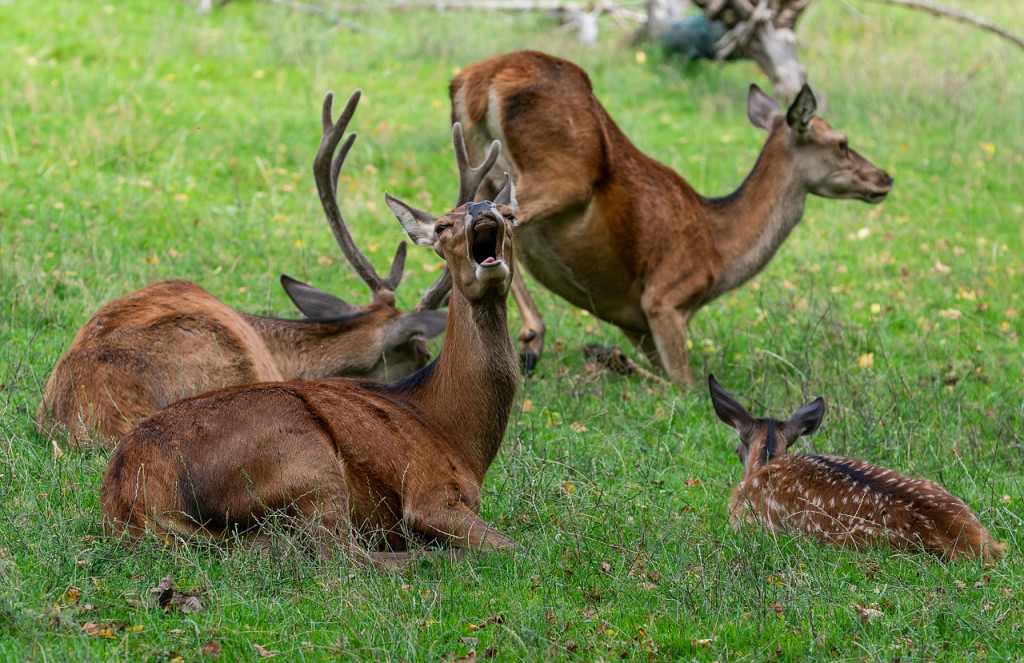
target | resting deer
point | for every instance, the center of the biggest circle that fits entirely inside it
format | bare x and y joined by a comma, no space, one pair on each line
173,339
389,461
840,500
617,233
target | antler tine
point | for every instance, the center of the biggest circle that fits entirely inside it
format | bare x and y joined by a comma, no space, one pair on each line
326,170
469,177
469,181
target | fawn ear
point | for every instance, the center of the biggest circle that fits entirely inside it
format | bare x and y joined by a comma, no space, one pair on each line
727,408
805,420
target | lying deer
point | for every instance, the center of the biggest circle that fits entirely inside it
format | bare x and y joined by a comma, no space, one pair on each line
840,500
173,339
392,462
617,233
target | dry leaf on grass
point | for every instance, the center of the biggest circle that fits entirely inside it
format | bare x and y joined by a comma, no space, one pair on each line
212,649
263,651
166,597
867,613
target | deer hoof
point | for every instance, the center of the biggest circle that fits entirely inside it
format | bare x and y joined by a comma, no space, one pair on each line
528,361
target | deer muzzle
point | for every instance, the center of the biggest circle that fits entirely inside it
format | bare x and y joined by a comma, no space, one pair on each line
485,237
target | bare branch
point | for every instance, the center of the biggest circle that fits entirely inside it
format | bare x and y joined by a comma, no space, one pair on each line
958,15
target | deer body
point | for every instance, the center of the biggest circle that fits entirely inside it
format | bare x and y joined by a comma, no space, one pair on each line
173,339
387,462
623,236
839,500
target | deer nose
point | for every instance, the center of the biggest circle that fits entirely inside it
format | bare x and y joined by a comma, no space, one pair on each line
476,209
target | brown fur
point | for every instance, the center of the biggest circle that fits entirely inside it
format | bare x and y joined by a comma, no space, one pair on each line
383,461
173,339
617,233
839,500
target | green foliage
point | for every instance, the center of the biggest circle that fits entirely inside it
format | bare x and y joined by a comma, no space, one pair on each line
140,140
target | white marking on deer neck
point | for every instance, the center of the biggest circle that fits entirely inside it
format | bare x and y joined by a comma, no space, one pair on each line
750,225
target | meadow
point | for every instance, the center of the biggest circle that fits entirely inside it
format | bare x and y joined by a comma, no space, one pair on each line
140,140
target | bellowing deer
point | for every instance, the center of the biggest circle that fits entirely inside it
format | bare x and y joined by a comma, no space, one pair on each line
389,461
173,339
839,500
619,234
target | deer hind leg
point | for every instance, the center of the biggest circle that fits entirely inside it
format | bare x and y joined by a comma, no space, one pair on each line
531,335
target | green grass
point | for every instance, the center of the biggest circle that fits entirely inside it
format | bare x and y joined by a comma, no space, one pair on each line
139,141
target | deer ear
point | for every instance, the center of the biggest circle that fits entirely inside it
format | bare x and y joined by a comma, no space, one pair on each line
761,108
727,408
419,225
805,420
313,303
427,324
802,109
507,196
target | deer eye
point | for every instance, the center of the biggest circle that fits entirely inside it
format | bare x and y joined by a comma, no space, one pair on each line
844,146
441,228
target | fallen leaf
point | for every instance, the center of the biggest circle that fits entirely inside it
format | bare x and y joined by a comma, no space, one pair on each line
263,651
212,649
577,427
166,596
491,652
702,642
693,482
606,567
945,270
867,613
472,642
471,657
866,360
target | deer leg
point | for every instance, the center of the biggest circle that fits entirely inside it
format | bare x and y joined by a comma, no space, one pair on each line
668,321
531,335
456,523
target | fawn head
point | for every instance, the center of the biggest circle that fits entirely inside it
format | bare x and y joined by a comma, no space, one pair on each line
821,155
763,439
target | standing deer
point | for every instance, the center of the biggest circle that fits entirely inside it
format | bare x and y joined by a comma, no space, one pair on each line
392,462
619,234
839,500
173,339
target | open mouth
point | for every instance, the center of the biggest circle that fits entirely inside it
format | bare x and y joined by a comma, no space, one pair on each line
876,197
486,235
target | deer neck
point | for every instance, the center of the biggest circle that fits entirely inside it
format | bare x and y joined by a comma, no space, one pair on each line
471,387
312,349
751,224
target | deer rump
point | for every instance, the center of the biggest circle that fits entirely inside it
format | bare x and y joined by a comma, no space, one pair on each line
228,460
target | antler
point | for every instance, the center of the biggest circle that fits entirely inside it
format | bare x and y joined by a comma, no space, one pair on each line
326,171
469,181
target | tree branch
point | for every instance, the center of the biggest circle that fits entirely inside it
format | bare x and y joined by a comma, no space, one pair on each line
957,15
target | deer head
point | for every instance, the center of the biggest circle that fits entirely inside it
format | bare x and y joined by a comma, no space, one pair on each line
821,155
